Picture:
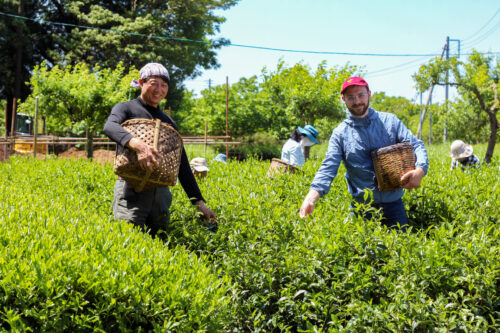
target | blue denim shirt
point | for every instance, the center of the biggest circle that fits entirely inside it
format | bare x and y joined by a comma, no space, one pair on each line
352,142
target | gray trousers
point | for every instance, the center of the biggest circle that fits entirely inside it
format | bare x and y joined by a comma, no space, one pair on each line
149,209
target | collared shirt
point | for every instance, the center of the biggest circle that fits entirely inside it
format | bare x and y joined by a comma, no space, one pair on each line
136,109
292,153
352,142
472,160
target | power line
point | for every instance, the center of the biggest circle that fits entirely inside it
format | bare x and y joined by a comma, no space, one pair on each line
473,35
230,44
405,64
483,36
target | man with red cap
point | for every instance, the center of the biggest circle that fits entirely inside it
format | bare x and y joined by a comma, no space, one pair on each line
352,142
149,209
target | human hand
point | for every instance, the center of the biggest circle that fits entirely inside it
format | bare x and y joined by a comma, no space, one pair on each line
412,179
308,204
206,212
147,156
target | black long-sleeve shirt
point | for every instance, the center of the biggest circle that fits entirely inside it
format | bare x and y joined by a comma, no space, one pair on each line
136,109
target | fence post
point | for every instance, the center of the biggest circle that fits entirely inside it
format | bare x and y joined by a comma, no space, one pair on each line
35,130
206,133
227,118
13,126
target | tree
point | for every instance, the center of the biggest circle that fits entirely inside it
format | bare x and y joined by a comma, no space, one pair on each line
477,81
307,96
106,33
249,110
17,52
77,99
400,106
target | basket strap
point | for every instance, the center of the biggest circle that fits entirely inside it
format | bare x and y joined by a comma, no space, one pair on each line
155,145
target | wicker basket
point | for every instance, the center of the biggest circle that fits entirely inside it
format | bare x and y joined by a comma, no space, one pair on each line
278,167
156,134
391,163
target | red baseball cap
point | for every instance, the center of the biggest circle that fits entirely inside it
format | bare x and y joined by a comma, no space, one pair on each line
353,81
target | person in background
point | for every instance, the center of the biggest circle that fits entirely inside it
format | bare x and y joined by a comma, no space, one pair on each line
221,158
461,154
149,209
199,167
293,150
352,142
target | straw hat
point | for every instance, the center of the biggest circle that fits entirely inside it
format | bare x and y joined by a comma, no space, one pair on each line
199,164
460,150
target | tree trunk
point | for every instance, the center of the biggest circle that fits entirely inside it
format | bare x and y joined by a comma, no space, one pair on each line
19,55
90,144
493,137
307,149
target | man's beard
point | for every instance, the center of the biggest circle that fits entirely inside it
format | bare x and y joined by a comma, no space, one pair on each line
355,110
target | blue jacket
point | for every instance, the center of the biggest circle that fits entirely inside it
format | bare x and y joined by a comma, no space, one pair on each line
352,141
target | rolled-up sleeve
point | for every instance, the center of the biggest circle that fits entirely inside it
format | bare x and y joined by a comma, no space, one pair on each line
330,165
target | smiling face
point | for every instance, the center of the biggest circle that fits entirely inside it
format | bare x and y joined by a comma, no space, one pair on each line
357,100
153,90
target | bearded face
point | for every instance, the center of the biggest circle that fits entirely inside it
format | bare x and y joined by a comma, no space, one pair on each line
357,100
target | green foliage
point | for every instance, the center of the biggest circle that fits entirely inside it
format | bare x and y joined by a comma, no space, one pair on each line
334,272
305,96
119,33
261,145
2,116
400,106
249,110
462,112
67,265
77,98
286,98
477,83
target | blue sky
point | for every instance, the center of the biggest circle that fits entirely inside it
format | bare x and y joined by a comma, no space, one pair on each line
364,26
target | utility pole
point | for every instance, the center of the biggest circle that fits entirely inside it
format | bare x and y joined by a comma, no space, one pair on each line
445,131
422,116
430,123
448,40
227,114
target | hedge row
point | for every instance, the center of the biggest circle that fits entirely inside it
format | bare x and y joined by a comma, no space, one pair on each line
67,265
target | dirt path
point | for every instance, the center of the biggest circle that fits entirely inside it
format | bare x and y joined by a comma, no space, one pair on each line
100,155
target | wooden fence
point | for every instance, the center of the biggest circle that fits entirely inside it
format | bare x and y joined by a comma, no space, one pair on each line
42,144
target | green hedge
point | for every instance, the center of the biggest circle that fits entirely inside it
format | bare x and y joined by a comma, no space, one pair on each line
66,265
264,269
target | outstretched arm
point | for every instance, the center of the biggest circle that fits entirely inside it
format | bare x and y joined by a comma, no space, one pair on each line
308,204
207,213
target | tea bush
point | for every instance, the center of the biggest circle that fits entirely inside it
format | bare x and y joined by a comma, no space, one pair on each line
336,272
66,264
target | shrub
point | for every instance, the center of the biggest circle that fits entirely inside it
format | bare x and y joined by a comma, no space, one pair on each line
67,265
66,262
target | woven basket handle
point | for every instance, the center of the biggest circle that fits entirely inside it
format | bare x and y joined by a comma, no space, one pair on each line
155,145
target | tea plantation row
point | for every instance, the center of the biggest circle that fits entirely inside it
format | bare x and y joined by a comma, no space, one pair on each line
67,265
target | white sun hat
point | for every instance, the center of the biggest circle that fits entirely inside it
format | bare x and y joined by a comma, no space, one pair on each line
199,164
460,150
